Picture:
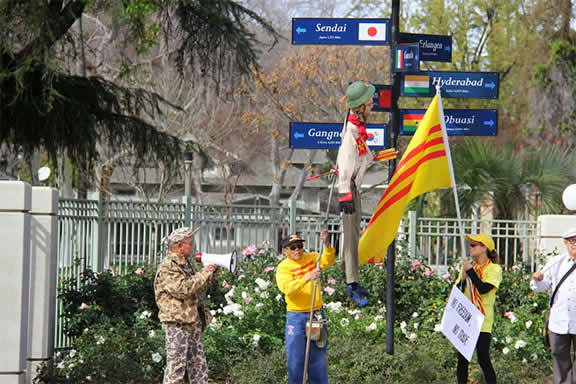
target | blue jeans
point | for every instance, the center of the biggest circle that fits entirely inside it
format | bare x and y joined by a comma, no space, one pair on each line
296,351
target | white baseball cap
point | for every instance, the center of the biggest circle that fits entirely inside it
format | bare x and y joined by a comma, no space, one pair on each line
570,233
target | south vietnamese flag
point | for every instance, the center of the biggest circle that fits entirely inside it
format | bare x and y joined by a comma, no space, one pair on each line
424,167
372,31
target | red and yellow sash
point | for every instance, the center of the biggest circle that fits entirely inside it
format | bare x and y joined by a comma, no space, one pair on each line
362,134
475,295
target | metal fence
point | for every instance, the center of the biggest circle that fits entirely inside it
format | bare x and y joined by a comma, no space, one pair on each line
436,241
98,234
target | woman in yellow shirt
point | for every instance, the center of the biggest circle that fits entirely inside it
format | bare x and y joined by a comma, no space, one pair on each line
295,278
485,275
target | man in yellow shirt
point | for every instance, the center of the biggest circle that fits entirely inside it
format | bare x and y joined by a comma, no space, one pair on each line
295,278
485,276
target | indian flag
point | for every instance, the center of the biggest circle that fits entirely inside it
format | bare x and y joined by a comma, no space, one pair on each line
411,121
419,84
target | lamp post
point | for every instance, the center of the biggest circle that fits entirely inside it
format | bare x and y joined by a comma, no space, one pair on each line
569,197
188,158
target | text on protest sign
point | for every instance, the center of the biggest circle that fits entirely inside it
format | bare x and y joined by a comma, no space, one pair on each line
461,323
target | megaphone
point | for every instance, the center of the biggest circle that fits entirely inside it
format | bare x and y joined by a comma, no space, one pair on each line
225,260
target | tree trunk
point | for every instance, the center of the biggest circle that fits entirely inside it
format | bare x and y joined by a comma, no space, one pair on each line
303,174
278,171
565,12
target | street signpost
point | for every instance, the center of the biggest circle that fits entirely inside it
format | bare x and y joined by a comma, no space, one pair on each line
313,31
405,80
477,85
328,135
432,47
459,122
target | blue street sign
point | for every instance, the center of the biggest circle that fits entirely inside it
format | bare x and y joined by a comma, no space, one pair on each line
382,98
459,122
407,58
327,135
340,31
432,47
478,85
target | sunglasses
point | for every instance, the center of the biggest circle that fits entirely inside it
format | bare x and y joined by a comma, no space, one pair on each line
474,244
571,240
294,247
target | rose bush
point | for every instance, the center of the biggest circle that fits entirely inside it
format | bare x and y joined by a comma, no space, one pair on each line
112,319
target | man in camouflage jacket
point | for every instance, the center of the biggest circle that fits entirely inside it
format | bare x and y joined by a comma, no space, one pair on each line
178,287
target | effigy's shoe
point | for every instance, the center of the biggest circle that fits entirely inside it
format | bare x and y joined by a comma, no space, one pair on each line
356,297
362,291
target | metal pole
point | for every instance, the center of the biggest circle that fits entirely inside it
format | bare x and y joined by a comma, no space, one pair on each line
188,159
392,140
324,222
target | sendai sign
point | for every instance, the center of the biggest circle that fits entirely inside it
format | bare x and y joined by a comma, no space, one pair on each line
340,31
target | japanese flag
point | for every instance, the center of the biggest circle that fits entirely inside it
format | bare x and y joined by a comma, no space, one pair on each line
372,31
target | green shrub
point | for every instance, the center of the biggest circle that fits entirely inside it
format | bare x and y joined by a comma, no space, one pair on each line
118,339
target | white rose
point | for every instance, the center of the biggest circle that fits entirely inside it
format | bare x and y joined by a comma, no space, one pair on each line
520,344
371,327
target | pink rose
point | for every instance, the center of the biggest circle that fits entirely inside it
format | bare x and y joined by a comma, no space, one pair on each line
139,271
329,291
241,277
415,265
225,284
249,250
268,269
331,281
427,272
83,306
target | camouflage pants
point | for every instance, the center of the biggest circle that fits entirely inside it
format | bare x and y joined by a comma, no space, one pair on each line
184,353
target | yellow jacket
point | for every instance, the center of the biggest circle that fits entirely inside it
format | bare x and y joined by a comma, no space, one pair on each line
290,279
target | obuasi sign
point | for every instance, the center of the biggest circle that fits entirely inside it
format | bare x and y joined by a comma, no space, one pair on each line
459,122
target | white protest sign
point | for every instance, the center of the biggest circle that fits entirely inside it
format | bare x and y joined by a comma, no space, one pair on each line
461,323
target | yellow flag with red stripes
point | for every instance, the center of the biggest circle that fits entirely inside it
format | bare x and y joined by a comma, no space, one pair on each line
424,167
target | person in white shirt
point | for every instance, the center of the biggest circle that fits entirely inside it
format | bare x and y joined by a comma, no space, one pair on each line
562,323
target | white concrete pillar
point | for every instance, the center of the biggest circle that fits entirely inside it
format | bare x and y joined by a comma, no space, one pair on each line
43,264
550,230
15,203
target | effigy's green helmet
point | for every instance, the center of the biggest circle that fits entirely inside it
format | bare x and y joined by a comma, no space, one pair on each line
358,93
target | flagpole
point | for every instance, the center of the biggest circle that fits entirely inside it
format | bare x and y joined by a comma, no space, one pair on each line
333,176
452,177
